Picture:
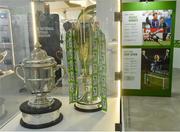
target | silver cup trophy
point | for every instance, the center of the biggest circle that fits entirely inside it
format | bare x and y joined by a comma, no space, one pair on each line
39,77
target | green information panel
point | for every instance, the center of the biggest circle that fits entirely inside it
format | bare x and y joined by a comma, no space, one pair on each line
148,44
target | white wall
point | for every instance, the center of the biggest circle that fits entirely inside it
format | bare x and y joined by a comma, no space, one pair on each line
177,31
176,63
105,15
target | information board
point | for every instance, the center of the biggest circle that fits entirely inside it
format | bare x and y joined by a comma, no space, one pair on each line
148,44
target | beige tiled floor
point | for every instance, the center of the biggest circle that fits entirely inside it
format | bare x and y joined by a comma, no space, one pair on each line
154,113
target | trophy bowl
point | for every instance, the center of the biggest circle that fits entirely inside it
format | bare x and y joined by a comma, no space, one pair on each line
39,77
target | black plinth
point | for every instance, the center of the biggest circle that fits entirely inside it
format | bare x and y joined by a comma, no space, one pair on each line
28,110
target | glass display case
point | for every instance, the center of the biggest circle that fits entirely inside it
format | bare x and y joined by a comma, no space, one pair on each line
76,35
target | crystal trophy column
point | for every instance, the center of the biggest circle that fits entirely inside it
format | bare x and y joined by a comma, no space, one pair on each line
86,56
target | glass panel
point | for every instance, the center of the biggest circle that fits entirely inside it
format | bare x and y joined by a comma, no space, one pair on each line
93,47
15,43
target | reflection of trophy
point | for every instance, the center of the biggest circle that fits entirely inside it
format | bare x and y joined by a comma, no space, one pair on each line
39,77
2,108
2,57
59,54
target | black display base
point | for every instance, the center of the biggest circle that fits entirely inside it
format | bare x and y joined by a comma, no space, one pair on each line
42,125
87,110
118,127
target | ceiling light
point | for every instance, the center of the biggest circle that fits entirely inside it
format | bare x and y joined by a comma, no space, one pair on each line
93,1
79,2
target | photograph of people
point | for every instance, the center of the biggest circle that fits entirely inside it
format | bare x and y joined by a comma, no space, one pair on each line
155,68
157,27
155,21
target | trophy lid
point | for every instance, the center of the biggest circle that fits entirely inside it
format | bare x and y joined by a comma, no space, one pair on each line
39,58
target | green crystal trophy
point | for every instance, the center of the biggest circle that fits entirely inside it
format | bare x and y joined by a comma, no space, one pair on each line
86,56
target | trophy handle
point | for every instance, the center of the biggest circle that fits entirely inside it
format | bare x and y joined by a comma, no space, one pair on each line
64,73
17,73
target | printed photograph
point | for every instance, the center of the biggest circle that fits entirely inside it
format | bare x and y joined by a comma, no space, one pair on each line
157,26
155,68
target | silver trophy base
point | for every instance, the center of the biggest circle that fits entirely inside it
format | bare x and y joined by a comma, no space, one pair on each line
43,122
37,118
94,106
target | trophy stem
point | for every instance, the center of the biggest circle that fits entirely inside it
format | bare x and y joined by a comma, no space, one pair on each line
41,101
87,90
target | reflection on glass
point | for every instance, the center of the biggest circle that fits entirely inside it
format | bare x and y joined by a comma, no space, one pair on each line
3,111
15,40
6,43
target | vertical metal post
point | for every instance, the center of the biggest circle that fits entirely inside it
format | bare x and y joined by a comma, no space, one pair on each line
118,75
